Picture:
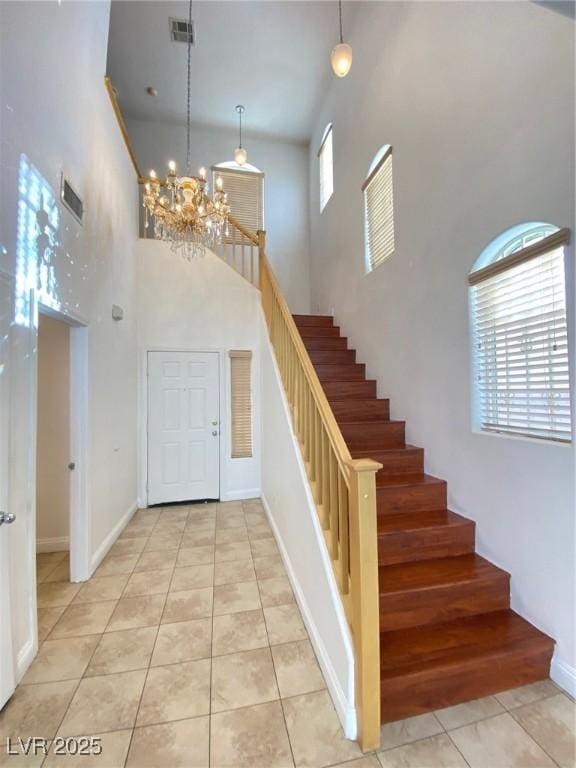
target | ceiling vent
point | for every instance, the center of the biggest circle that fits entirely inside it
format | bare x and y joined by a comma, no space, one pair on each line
71,200
181,31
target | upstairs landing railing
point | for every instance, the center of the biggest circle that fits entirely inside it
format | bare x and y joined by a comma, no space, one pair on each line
344,488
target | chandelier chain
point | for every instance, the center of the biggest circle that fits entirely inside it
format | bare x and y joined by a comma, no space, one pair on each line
339,16
188,89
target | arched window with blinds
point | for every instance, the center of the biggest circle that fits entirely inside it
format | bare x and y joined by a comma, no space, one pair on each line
379,209
520,335
245,189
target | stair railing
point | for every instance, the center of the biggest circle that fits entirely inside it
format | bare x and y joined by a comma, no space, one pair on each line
239,249
344,491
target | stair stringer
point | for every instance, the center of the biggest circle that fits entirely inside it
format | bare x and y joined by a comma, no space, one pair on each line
289,504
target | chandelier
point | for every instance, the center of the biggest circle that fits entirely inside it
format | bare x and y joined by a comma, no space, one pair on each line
180,208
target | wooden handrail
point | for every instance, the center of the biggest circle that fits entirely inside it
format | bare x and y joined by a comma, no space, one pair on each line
241,228
344,491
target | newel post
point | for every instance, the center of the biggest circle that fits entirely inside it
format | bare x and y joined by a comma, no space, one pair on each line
364,594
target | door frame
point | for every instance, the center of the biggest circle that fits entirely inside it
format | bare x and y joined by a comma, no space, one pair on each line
7,661
143,414
79,505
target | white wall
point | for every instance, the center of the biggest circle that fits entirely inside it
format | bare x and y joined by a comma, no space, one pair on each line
288,500
202,305
55,110
53,436
285,189
477,100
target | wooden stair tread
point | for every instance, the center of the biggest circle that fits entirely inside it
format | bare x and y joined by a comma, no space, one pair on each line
418,521
413,650
429,574
381,454
400,481
313,320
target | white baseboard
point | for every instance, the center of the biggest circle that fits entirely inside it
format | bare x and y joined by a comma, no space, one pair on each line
251,493
25,658
346,712
58,544
104,548
564,675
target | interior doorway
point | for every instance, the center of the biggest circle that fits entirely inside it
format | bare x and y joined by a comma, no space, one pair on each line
53,456
62,513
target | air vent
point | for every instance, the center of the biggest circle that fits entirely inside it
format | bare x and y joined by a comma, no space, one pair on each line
181,31
71,200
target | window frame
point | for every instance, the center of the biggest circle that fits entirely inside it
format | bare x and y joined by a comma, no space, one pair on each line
327,141
384,154
494,262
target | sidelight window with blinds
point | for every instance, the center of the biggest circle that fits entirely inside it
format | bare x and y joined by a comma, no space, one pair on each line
379,209
520,337
241,403
326,168
245,190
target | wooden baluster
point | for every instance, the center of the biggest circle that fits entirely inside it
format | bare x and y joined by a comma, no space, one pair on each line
333,496
252,263
311,419
326,479
243,255
343,526
365,598
318,457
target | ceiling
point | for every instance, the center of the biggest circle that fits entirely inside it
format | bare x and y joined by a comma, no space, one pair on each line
273,57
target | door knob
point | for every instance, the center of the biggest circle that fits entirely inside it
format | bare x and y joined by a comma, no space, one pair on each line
214,432
72,465
7,517
214,423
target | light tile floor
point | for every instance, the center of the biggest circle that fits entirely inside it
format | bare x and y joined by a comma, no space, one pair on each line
187,649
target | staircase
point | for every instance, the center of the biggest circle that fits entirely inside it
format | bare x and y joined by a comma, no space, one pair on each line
447,633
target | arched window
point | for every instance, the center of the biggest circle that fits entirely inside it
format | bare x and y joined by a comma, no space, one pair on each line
326,167
244,185
520,344
379,209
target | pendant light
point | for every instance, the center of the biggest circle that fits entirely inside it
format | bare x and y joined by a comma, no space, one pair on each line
240,154
341,56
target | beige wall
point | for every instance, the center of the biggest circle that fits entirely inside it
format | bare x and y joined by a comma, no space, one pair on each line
52,481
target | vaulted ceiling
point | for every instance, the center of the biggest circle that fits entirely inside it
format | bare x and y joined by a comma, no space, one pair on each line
273,57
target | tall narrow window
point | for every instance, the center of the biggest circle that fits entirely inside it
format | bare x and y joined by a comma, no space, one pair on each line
245,189
326,165
241,399
379,209
520,338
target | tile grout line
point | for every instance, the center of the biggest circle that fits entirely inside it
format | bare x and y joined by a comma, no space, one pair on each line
133,730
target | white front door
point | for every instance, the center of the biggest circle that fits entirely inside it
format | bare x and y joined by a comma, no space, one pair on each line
183,426
7,677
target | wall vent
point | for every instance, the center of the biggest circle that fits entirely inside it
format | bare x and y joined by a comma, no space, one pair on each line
71,199
181,31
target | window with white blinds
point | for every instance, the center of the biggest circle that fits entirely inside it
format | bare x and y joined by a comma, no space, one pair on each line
241,403
245,191
326,168
379,210
520,341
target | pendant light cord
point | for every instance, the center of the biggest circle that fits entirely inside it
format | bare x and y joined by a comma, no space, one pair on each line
240,114
188,88
340,18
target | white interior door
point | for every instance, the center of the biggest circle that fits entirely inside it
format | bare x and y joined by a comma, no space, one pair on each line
7,677
183,426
